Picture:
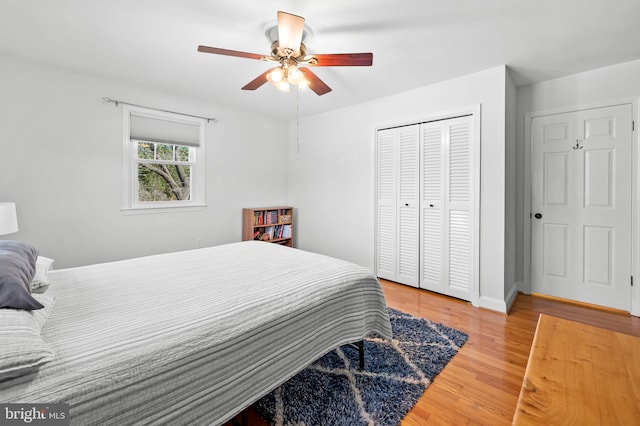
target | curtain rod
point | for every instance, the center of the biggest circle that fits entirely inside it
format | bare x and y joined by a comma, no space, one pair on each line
116,102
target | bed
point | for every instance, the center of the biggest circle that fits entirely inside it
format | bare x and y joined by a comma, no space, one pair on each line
193,337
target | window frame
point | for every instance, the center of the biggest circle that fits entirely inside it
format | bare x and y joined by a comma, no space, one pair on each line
130,202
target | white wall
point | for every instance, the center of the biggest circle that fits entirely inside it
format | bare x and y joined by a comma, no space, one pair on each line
331,178
511,249
614,83
61,162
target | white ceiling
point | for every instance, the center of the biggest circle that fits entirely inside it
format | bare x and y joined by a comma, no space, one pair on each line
414,43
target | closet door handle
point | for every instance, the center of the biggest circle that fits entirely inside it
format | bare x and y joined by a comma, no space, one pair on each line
406,204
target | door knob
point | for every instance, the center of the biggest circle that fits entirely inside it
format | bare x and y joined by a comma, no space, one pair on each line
538,215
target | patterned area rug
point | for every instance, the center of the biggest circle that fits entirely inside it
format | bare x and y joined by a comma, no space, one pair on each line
333,391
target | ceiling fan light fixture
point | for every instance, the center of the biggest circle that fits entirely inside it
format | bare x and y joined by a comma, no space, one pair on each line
276,75
304,84
283,85
294,75
278,78
284,75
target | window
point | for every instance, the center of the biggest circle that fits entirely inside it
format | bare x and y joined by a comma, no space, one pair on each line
163,155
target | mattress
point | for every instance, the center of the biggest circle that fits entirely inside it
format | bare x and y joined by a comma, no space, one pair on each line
194,337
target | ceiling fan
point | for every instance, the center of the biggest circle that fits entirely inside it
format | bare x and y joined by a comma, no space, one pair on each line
289,52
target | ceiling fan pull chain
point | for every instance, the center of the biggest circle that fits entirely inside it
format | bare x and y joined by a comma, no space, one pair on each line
298,121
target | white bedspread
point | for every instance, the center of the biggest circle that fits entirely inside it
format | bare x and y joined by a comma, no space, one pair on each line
194,337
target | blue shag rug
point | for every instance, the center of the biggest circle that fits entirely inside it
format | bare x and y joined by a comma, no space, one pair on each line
334,391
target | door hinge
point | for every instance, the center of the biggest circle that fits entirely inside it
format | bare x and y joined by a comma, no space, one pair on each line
631,280
633,125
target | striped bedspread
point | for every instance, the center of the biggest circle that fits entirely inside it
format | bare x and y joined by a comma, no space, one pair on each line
194,337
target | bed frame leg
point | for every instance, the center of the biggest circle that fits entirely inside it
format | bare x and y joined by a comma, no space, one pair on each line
360,346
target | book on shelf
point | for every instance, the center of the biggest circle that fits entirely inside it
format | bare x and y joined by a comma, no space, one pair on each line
258,218
286,231
269,231
271,217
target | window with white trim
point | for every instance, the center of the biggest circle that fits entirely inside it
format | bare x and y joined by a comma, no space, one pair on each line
163,156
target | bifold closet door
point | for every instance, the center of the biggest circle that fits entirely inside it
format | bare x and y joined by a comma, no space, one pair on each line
398,168
447,206
425,206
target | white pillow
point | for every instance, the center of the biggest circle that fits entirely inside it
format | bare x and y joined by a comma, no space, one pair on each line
23,350
40,316
40,281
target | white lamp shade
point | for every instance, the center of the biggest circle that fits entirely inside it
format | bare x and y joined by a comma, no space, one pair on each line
8,218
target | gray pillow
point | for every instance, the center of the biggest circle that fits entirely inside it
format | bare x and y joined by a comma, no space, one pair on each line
17,268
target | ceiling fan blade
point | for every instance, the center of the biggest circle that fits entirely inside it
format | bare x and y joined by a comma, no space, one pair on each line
315,84
344,60
258,81
227,52
290,28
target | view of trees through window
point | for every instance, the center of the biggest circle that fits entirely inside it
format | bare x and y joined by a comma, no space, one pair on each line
164,172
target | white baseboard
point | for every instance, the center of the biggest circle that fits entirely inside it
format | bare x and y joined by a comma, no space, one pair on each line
493,304
498,305
511,297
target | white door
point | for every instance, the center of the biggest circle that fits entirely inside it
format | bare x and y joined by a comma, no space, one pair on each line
581,205
397,237
447,207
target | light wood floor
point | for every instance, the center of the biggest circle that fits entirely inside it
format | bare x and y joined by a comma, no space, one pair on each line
481,384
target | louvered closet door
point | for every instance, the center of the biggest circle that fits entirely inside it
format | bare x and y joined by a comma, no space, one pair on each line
387,183
446,220
408,204
397,245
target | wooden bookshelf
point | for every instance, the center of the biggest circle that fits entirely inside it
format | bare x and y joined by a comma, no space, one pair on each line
269,224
